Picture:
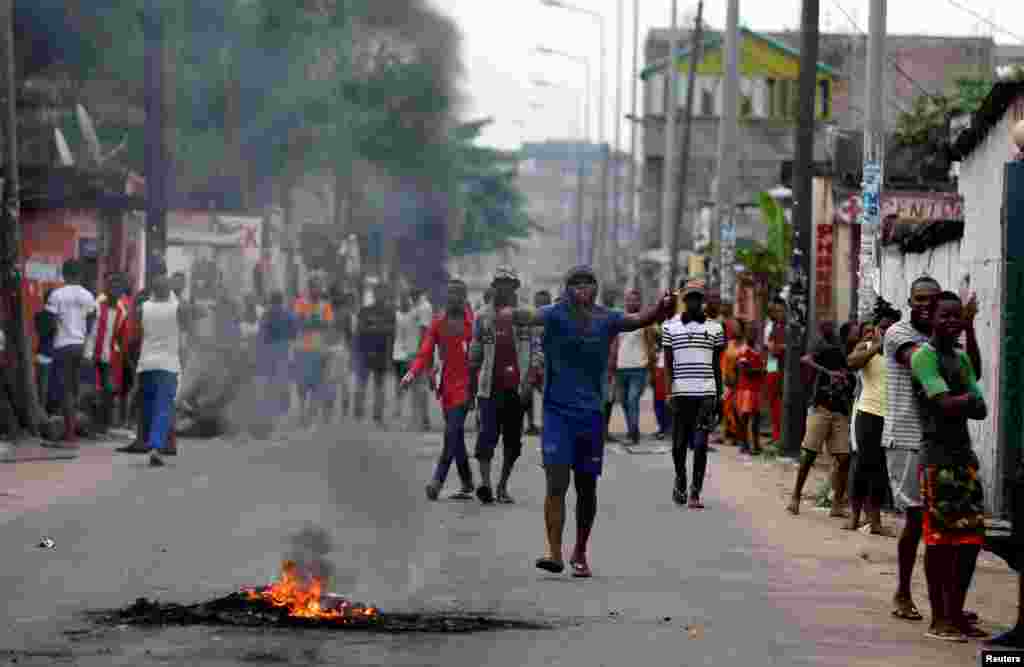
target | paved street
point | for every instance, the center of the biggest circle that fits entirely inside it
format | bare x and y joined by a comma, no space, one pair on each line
737,584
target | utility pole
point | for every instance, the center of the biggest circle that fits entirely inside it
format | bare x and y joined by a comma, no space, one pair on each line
634,73
598,246
10,239
796,321
668,172
614,253
155,159
684,171
723,222
874,160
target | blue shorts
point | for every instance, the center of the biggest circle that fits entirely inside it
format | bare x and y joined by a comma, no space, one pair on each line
573,439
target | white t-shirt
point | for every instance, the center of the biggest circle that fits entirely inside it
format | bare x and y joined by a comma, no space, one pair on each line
693,345
632,353
407,335
160,336
72,304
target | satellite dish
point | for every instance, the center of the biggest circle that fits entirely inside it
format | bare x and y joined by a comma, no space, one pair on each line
63,150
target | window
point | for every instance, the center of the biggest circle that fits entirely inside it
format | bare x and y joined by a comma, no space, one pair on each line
746,106
770,93
707,103
825,103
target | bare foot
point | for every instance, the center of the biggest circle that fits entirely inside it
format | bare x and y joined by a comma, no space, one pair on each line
793,507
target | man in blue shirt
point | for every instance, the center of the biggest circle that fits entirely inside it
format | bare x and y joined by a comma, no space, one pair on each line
576,345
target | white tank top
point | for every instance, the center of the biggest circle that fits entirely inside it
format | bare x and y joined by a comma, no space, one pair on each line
160,333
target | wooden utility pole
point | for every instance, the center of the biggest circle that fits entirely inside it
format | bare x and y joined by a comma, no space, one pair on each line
155,157
668,172
799,279
874,160
723,222
10,237
684,157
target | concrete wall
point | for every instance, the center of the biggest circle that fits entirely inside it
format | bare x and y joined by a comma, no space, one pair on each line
976,257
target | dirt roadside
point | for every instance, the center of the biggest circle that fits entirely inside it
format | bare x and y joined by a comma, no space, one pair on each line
857,569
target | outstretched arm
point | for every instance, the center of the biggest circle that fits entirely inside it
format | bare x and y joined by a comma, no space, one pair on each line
658,312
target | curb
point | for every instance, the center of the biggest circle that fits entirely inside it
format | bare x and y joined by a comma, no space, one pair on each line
34,452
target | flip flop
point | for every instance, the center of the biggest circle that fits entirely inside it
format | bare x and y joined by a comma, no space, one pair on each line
580,570
550,565
908,612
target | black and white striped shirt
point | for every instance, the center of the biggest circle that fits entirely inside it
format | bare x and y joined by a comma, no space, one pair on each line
694,345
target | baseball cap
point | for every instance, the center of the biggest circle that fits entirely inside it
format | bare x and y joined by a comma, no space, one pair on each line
506,273
693,287
582,272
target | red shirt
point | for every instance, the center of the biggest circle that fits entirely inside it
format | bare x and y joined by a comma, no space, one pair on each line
453,344
754,362
506,365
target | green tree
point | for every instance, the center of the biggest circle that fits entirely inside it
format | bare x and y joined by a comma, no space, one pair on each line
491,206
930,114
769,262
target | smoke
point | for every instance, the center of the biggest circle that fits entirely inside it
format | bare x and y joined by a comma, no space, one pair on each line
308,549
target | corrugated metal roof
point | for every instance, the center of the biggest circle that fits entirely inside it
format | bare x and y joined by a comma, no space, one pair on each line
713,39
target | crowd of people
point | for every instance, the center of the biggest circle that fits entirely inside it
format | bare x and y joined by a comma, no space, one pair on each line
892,395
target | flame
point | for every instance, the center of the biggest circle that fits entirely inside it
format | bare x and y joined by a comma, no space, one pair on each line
303,597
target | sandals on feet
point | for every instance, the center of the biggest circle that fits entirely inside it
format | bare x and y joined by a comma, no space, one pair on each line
580,569
550,565
946,635
906,610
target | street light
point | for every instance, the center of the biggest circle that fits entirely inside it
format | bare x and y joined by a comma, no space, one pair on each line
585,126
599,17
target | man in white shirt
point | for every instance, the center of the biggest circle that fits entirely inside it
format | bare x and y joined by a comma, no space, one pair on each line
637,350
693,345
73,305
407,341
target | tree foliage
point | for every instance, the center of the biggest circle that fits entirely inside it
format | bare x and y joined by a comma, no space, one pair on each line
492,207
770,260
930,114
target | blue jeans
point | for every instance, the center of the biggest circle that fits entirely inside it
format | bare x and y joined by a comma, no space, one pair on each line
158,390
454,447
632,382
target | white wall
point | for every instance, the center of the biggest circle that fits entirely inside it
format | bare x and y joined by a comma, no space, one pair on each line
977,256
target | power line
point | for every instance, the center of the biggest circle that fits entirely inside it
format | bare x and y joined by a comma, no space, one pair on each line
892,61
988,21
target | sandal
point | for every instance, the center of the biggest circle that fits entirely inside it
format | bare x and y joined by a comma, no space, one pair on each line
972,631
946,635
504,498
793,507
906,610
580,569
550,565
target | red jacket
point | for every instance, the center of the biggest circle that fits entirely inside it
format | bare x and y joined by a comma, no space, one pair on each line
454,353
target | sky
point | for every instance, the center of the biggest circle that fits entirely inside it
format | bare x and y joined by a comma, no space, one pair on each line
499,38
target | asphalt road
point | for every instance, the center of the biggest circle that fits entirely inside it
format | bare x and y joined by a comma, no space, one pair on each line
672,586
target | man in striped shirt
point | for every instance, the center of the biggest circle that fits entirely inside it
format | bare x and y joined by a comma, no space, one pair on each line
902,433
693,345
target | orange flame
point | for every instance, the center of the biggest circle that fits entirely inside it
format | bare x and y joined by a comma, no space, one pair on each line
302,597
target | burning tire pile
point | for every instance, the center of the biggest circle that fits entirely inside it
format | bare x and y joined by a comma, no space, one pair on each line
297,601
241,610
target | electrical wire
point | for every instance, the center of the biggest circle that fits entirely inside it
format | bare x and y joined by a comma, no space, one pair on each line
991,23
892,60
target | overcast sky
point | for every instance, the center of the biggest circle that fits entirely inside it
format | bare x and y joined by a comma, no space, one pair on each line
499,37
